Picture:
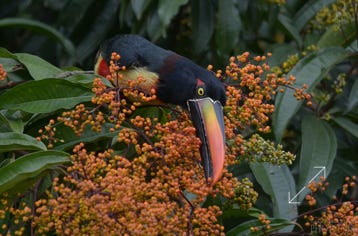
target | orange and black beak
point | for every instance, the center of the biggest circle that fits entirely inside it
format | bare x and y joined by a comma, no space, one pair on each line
207,116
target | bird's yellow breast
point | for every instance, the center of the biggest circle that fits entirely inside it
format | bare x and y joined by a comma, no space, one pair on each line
148,80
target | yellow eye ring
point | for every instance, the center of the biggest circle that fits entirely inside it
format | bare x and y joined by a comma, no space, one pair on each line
200,91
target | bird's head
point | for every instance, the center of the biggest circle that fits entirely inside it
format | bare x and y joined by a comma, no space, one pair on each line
177,80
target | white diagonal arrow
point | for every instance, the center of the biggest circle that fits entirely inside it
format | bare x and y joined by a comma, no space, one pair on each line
292,200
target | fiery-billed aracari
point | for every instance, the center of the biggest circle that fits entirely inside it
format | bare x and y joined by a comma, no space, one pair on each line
177,80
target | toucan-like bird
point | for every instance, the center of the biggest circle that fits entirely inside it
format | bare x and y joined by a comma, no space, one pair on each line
176,80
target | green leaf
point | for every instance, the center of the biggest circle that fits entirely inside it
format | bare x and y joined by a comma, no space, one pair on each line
168,9
10,65
280,54
153,26
203,22
44,96
11,141
353,96
42,28
342,37
228,26
28,167
238,212
37,67
139,6
348,125
71,139
72,14
103,23
244,229
309,70
14,123
319,147
9,61
342,168
353,47
6,54
277,182
308,11
288,25
85,80
158,112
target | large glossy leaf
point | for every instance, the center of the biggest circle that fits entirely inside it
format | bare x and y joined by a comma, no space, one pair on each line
84,79
202,23
28,167
37,67
244,229
139,6
104,20
353,96
168,9
9,61
342,37
11,141
238,212
308,11
347,124
280,53
42,28
6,53
71,139
44,96
228,27
77,10
12,121
9,64
310,70
277,182
290,27
319,147
153,26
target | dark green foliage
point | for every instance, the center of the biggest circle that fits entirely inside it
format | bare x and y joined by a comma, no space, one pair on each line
68,33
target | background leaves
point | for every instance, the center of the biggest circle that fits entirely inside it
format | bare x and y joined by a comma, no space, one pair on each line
43,41
34,98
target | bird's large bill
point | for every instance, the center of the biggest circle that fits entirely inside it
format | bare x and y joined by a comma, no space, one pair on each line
208,119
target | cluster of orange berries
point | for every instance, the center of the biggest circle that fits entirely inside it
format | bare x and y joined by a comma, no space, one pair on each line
335,220
19,215
105,193
78,118
251,87
340,218
48,133
315,187
3,73
350,183
265,224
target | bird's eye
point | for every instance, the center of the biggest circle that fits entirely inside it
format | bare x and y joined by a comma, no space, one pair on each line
201,91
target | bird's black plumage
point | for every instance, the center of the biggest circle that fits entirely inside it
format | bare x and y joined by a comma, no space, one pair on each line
179,77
